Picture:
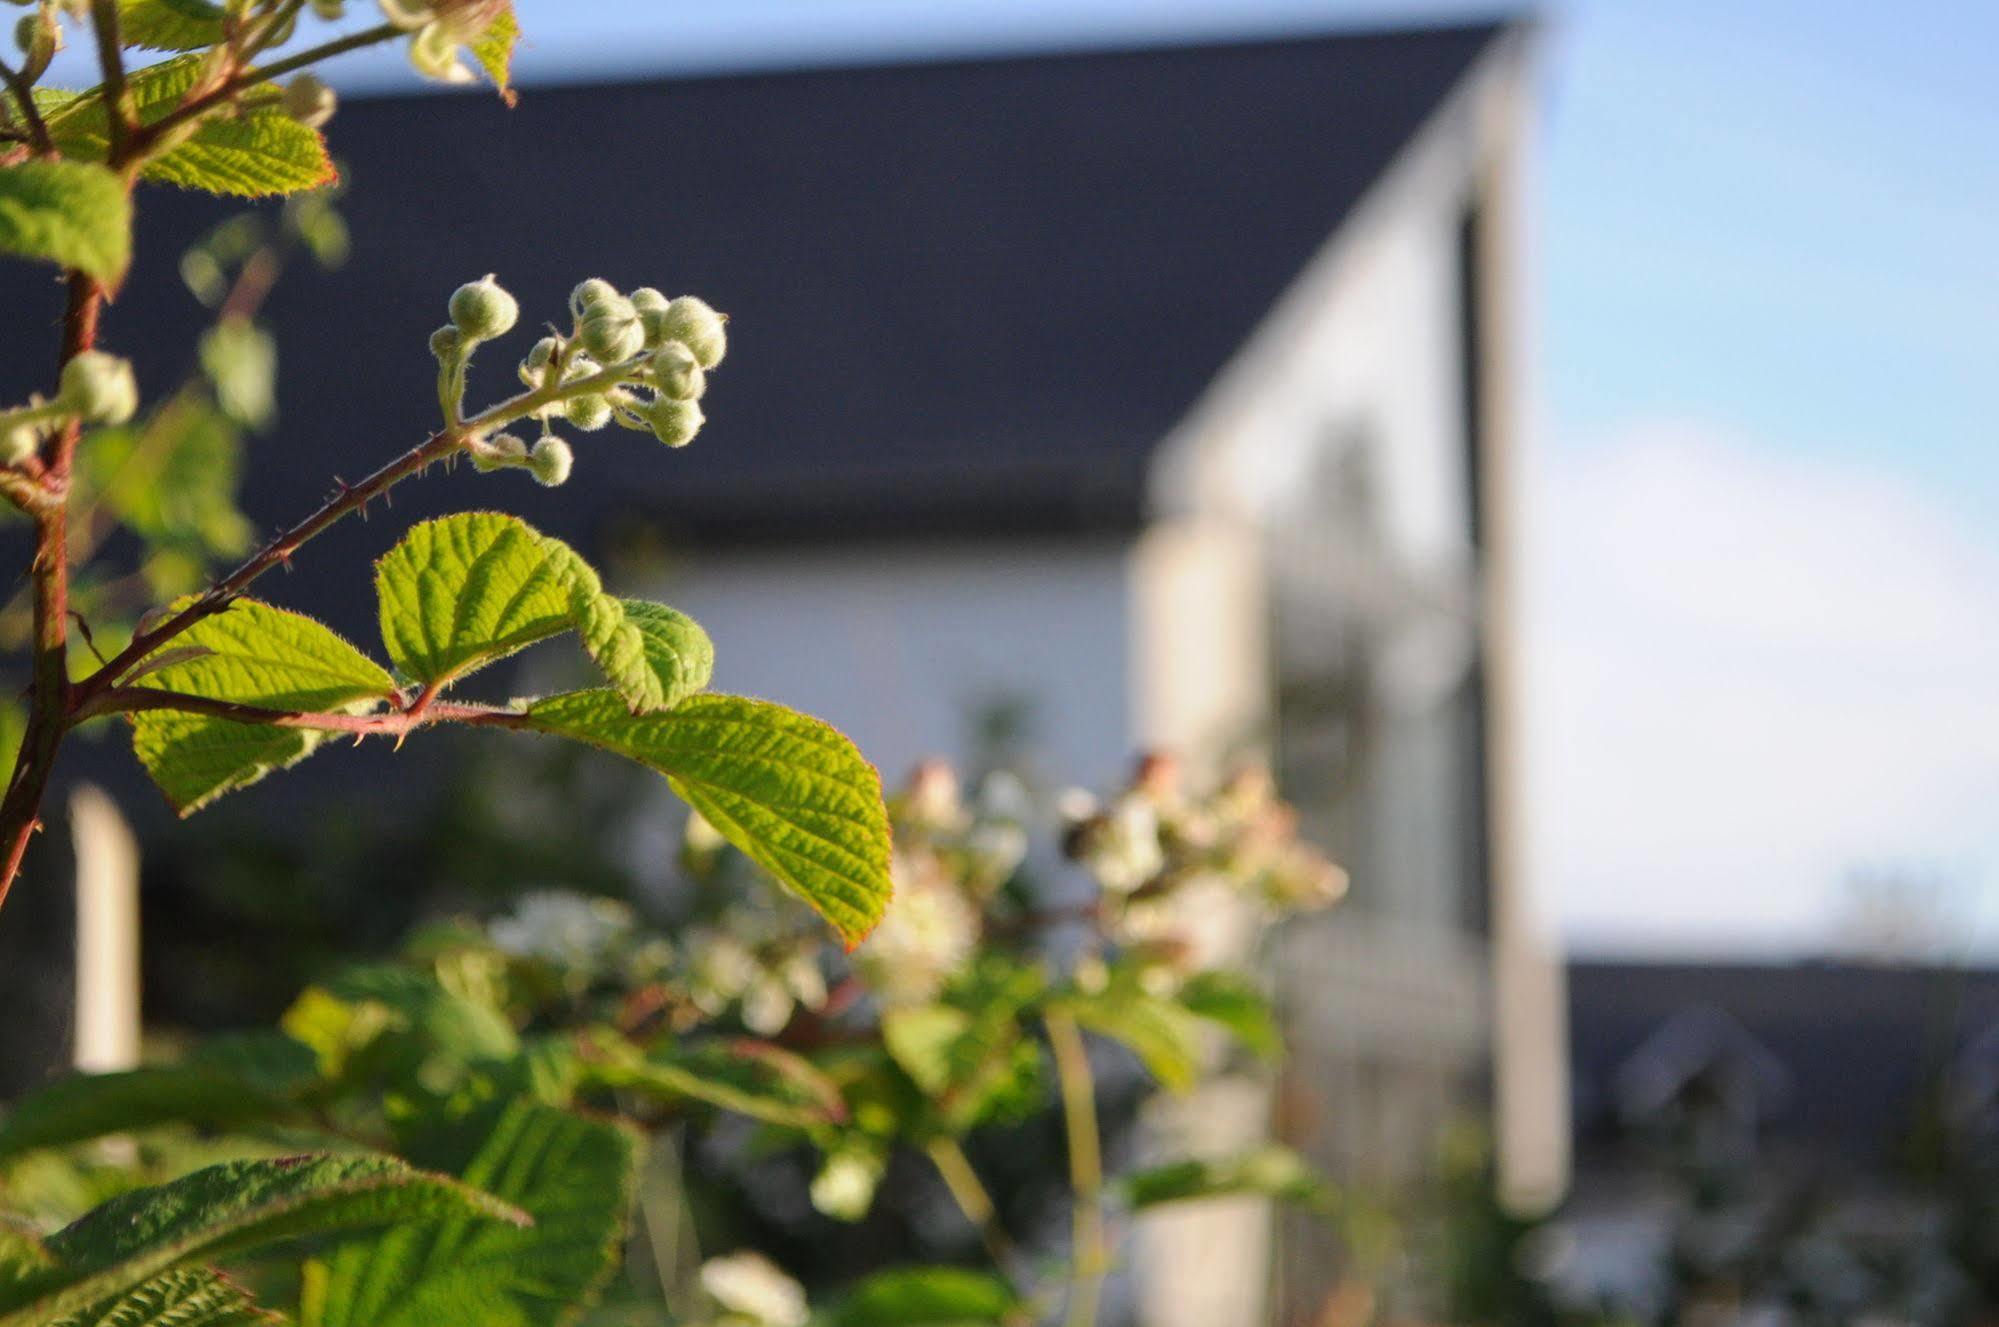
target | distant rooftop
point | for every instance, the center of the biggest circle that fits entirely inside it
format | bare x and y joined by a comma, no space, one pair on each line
965,294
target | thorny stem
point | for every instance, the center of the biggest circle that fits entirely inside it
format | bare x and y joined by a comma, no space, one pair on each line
966,1189
399,721
49,695
1086,1166
345,502
40,487
120,118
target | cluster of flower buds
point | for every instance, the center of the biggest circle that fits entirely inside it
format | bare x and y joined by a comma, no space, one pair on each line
95,388
639,359
669,344
1169,862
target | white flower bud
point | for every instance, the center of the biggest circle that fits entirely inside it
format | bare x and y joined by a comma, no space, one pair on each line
409,15
749,1287
612,333
651,307
18,443
434,52
482,310
674,422
589,294
589,413
678,373
502,451
100,388
690,319
550,461
537,361
308,100
448,344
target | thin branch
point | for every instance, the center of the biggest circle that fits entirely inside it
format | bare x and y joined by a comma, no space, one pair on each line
50,693
1089,1255
395,722
249,78
24,97
345,502
969,1192
120,119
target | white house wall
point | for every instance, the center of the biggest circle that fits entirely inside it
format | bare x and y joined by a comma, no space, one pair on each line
901,646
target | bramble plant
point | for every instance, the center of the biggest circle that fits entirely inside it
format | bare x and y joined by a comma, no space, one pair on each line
473,1053
458,1136
222,689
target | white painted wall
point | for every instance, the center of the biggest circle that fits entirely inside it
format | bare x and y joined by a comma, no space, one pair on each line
900,645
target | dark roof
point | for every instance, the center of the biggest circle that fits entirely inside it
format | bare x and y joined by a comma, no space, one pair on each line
1864,1046
965,294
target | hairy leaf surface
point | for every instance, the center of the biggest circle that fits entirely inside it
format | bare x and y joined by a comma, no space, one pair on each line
253,654
247,151
460,592
138,1236
183,1297
789,791
572,1175
170,25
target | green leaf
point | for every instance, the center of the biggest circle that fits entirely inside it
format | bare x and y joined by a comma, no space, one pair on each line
138,1236
1235,1004
241,361
750,1078
789,791
170,25
184,1297
172,481
251,154
494,50
22,1254
1272,1172
677,650
253,654
1164,1036
455,594
247,151
13,727
71,213
574,1177
86,1106
967,1054
928,1297
458,593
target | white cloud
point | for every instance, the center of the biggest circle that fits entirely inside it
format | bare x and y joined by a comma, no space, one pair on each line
1749,673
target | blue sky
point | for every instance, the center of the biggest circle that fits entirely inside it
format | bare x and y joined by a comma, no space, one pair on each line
1763,614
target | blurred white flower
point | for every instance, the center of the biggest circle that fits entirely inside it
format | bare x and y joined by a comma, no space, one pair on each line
569,930
929,930
1121,847
845,1186
751,1289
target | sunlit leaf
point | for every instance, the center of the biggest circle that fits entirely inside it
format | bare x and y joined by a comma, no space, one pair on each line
789,791
70,213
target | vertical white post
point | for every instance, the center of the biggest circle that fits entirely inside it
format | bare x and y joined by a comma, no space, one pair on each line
107,934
